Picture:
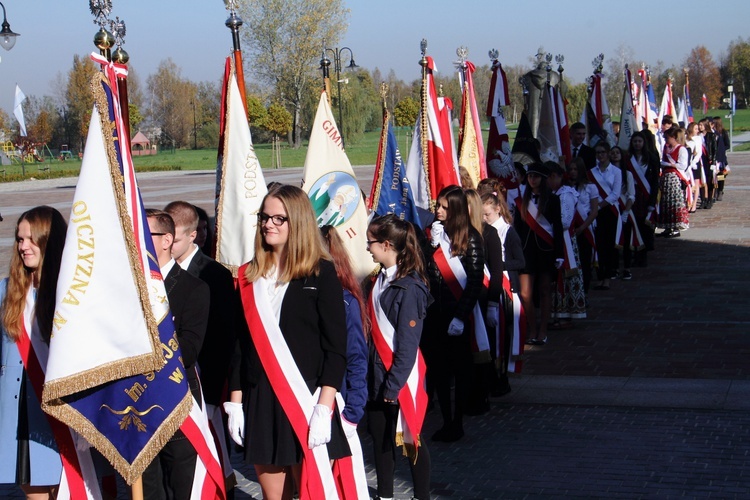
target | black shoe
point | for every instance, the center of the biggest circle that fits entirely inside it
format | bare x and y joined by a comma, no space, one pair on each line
626,275
719,196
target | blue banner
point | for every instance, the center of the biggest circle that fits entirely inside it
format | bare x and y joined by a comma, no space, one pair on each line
395,191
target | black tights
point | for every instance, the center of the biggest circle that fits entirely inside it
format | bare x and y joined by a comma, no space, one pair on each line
381,423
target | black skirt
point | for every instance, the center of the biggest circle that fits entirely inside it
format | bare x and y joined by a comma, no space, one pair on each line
270,438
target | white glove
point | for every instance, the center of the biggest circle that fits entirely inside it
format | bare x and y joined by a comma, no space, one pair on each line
236,422
436,233
320,426
493,314
559,263
456,327
651,209
350,429
624,217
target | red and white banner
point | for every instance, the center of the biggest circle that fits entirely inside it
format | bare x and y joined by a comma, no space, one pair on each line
432,163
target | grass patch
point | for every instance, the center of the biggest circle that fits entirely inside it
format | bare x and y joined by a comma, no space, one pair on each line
364,152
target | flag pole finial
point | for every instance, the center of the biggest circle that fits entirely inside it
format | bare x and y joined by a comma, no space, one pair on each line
103,39
494,54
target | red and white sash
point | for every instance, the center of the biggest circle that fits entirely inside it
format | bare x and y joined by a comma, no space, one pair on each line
639,175
78,480
536,220
350,471
569,258
518,339
208,477
288,385
675,155
598,181
412,399
635,240
455,277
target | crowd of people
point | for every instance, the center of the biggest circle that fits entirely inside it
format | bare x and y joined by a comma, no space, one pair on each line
299,353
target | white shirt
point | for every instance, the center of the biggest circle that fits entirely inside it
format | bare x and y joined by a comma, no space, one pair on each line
275,290
611,180
568,197
167,267
186,262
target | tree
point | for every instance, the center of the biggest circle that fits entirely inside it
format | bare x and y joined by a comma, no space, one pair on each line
79,100
736,65
614,82
135,116
171,107
256,112
577,96
704,77
284,39
406,112
278,120
360,104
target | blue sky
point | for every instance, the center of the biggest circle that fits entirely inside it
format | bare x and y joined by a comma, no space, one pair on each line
383,34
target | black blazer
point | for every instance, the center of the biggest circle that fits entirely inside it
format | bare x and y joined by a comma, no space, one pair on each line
313,322
215,355
189,300
588,154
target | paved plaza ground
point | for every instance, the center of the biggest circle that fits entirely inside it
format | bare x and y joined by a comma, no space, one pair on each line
646,398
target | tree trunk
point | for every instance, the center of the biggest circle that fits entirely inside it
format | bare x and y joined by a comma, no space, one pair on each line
297,128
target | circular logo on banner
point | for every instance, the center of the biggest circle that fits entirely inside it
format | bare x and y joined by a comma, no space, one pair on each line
334,198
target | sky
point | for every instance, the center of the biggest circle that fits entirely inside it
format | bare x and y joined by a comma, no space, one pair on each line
382,33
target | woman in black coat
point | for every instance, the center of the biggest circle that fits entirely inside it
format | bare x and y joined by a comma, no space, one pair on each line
449,332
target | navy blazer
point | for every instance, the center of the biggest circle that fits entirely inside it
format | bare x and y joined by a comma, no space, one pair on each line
405,304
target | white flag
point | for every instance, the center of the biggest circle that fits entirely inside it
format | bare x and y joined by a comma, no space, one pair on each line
240,185
329,181
18,110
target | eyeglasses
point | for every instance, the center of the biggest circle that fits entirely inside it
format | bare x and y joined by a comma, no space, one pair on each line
158,234
370,242
278,220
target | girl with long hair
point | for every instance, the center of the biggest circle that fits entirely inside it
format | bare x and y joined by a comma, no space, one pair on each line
643,164
455,266
608,181
354,388
537,221
630,237
584,221
496,214
397,400
694,141
29,455
723,144
485,376
282,403
708,159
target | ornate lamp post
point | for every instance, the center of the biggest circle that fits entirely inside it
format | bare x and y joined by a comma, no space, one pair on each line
325,63
7,37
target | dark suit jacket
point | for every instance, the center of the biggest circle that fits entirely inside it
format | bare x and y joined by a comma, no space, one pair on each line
215,355
189,301
313,322
587,154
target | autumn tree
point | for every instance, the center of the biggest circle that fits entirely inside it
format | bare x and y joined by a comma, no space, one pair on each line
79,101
278,120
284,39
170,103
704,77
406,112
360,105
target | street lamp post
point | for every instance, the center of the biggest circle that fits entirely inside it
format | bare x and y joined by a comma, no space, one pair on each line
7,37
325,63
730,88
195,129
